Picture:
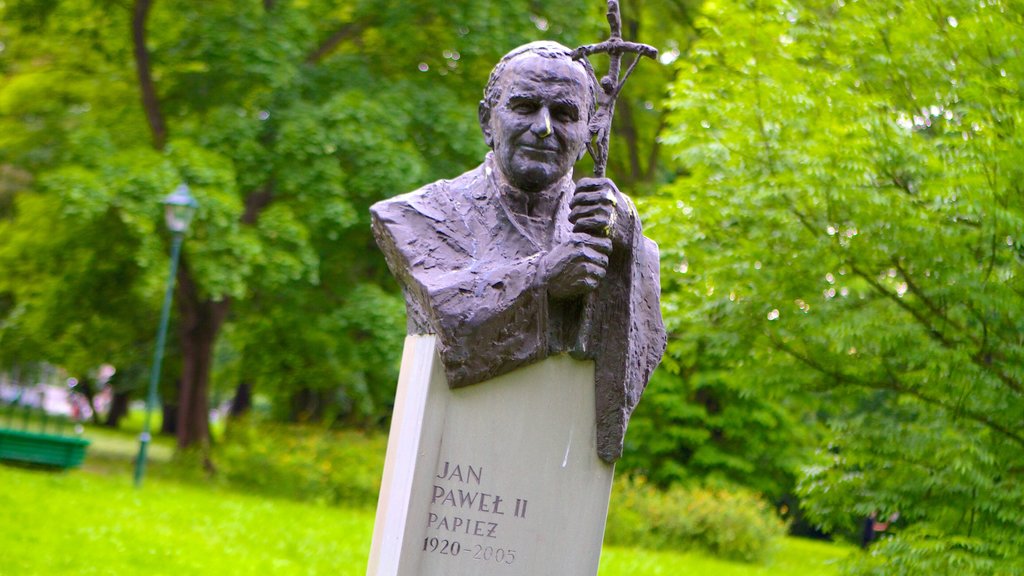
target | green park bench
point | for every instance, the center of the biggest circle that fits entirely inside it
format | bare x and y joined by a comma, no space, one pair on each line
30,436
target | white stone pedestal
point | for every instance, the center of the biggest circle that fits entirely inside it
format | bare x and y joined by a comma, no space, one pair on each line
499,478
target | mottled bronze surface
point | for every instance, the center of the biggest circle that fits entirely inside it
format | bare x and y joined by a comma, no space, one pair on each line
512,261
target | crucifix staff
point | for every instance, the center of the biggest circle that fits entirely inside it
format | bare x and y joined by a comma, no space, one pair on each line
601,122
611,84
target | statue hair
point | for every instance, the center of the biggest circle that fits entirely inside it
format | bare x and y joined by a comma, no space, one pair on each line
545,49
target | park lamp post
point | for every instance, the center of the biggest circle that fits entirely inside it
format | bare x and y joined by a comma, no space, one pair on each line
180,206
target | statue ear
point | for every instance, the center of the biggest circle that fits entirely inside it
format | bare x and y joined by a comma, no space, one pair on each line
484,114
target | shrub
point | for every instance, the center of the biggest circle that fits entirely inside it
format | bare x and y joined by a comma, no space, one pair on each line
729,523
303,462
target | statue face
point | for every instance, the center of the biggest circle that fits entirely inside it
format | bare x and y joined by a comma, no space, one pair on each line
539,127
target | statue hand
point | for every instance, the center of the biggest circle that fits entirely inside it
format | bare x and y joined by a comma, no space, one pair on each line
595,207
576,266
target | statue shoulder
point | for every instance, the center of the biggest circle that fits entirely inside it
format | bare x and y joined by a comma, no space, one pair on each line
433,201
417,201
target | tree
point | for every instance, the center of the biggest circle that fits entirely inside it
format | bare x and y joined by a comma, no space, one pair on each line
287,119
849,238
699,420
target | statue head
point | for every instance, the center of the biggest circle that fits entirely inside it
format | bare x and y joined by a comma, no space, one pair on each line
536,112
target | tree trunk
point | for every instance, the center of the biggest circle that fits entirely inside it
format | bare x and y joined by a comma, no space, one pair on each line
307,405
627,130
118,409
169,426
242,401
86,387
147,87
201,321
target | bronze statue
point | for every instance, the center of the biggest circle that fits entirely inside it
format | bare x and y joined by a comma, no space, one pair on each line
512,261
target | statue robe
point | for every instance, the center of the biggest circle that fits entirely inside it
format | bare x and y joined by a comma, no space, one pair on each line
468,267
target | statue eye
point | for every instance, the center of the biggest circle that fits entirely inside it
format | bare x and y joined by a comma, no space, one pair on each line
523,106
565,113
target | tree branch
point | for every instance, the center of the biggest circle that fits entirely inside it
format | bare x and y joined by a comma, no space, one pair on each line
347,31
150,102
893,384
932,331
979,359
256,201
916,291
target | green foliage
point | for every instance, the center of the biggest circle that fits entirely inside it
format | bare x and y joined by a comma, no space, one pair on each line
352,338
287,120
304,463
923,549
847,240
73,304
729,523
700,421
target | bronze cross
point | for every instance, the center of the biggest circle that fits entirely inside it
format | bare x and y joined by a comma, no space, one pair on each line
611,84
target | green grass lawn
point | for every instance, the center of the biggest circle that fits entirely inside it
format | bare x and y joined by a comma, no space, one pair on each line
93,521
81,523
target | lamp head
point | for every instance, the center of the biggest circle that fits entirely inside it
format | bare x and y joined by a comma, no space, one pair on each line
180,206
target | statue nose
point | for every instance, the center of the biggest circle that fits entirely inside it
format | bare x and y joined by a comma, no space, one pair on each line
542,124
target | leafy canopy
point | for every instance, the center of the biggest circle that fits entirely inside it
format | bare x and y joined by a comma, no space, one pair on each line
850,236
